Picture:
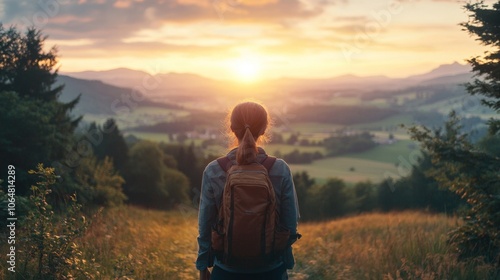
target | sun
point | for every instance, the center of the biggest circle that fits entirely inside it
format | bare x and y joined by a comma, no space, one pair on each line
246,69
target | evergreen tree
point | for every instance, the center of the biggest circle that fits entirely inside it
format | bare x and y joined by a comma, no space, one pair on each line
484,24
34,126
112,145
461,167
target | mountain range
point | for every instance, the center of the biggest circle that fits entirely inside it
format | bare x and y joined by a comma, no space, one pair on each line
104,91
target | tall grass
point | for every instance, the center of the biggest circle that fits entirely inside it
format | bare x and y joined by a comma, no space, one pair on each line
134,243
147,244
408,245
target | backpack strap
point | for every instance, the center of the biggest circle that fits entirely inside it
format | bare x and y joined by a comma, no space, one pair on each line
268,162
225,163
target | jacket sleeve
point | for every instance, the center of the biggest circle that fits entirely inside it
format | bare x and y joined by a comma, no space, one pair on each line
290,213
206,217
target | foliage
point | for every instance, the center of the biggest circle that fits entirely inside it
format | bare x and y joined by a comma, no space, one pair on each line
22,208
461,167
187,161
347,143
365,199
301,157
102,183
483,23
303,183
150,182
473,175
111,144
418,190
490,144
48,249
329,200
30,106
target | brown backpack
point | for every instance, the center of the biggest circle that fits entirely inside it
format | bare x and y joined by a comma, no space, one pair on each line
247,233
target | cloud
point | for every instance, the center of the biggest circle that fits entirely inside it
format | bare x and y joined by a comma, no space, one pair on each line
116,19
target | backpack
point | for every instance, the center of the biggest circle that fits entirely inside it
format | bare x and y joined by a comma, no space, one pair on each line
247,232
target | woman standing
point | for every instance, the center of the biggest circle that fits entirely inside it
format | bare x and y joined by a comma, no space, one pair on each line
248,124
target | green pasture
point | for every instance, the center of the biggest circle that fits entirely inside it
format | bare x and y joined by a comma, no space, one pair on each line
391,123
390,153
285,149
313,127
340,167
151,136
378,102
343,100
161,137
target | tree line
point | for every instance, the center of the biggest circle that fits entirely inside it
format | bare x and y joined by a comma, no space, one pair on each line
93,161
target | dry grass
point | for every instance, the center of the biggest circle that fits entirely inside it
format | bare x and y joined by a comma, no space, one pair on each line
133,243
408,245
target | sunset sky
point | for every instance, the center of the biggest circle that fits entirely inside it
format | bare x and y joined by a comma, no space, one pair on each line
251,40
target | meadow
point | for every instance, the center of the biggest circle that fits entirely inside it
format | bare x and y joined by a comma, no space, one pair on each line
134,243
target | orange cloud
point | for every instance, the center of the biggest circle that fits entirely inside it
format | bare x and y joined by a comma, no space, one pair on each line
122,4
200,3
253,2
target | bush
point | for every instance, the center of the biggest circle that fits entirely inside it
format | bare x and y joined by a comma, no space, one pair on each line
101,181
48,249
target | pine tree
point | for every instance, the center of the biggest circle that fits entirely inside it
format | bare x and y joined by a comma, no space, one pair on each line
35,127
112,145
463,168
484,23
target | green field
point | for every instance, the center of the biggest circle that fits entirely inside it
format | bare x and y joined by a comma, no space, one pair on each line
285,149
364,169
151,136
373,165
308,127
390,153
392,123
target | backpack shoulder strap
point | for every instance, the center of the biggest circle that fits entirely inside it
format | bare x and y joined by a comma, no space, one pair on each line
268,162
225,163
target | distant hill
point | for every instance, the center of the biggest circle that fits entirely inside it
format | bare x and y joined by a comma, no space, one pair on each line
172,84
445,70
98,97
101,88
124,77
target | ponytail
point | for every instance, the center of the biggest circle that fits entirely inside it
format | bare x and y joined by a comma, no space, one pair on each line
248,122
247,149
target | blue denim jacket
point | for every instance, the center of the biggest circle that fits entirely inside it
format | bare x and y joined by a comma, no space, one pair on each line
212,186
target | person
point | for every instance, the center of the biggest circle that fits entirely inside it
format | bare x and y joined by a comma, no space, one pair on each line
248,124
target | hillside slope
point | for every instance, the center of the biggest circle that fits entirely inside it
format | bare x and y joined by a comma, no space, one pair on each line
100,98
150,244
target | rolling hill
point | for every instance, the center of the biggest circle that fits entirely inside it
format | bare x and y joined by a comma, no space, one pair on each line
100,98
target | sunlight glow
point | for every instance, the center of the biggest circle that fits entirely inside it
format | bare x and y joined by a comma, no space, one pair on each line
246,69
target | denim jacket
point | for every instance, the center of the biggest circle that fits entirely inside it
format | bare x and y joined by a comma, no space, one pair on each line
212,187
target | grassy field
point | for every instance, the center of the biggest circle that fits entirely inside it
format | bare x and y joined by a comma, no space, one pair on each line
347,168
308,127
392,122
132,243
390,153
285,149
